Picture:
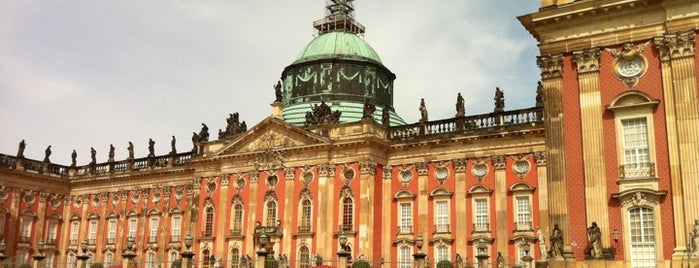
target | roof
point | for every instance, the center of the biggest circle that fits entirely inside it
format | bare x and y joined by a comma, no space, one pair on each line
338,45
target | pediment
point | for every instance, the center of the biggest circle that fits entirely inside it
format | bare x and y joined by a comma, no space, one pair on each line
271,134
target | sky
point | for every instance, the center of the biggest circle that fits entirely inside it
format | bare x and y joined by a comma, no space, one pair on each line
78,74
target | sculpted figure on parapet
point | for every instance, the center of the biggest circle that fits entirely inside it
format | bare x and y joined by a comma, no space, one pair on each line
594,240
423,112
173,150
130,149
368,111
539,95
93,156
321,114
196,142
499,100
386,116
151,148
278,91
233,127
460,106
204,133
20,150
111,153
73,157
47,154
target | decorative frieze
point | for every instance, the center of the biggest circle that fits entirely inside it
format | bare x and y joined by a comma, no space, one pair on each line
459,165
550,66
540,158
587,60
368,167
225,179
422,168
677,45
290,174
499,161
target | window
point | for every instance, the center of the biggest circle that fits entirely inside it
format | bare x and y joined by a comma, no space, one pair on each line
481,208
523,218
176,228
90,260
209,227
442,253
173,258
74,228
132,228
25,230
404,257
150,260
635,135
108,259
153,233
51,233
347,214
305,257
48,262
271,213
642,234
235,258
442,220
237,219
205,259
93,233
111,232
406,218
305,216
71,259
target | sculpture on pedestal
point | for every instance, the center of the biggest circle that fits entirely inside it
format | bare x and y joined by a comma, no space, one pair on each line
594,241
423,112
460,106
73,158
130,149
151,148
499,100
47,154
20,150
556,242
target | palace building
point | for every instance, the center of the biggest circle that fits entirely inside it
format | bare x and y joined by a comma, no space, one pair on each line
601,172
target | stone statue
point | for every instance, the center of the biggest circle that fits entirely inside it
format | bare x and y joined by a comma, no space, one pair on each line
233,126
73,158
111,153
459,262
423,112
173,150
47,154
278,91
594,241
130,149
196,142
93,156
539,95
386,116
20,150
204,133
321,114
460,107
556,242
542,243
368,111
500,260
151,148
695,238
499,100
319,260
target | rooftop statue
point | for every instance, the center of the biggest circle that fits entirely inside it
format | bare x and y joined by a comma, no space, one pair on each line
130,149
151,148
173,150
73,158
93,156
196,142
386,116
111,153
278,91
233,127
499,100
423,112
47,154
20,150
321,114
204,133
369,110
539,94
460,107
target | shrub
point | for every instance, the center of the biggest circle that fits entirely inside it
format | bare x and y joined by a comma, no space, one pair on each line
445,264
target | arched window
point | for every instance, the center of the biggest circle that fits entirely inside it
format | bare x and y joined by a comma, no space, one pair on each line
205,258
404,257
642,237
305,216
271,213
173,258
305,255
150,260
237,219
209,227
235,258
90,260
347,214
71,260
108,259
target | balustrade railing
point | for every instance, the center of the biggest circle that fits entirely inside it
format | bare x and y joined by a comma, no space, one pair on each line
523,226
405,229
521,117
25,239
174,238
637,171
33,165
481,227
441,228
8,161
345,228
111,241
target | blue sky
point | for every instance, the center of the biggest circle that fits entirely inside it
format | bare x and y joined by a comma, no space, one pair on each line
81,74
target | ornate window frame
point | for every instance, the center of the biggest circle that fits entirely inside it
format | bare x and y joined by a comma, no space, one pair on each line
636,198
480,192
520,190
405,197
438,195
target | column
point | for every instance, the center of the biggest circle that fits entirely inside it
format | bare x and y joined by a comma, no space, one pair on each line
386,210
366,209
461,215
422,221
587,63
251,213
324,225
501,213
223,209
680,89
290,205
552,81
544,224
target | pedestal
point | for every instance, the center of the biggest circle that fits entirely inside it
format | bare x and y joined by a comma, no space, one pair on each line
187,259
37,260
482,261
419,259
261,259
343,258
82,260
278,110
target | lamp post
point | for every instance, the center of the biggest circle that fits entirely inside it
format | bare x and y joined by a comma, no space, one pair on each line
419,256
342,254
39,257
129,254
2,250
526,259
187,254
82,259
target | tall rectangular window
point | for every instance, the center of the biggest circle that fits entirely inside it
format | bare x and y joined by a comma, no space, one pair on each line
176,228
209,224
51,233
305,216
636,149
442,217
153,233
74,228
92,236
404,258
523,222
108,259
237,219
406,218
481,210
347,214
642,234
25,229
132,228
442,253
111,232
271,213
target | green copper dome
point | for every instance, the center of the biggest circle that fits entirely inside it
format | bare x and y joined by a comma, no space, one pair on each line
338,45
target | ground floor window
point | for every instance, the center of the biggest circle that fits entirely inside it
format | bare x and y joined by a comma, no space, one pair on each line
642,238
